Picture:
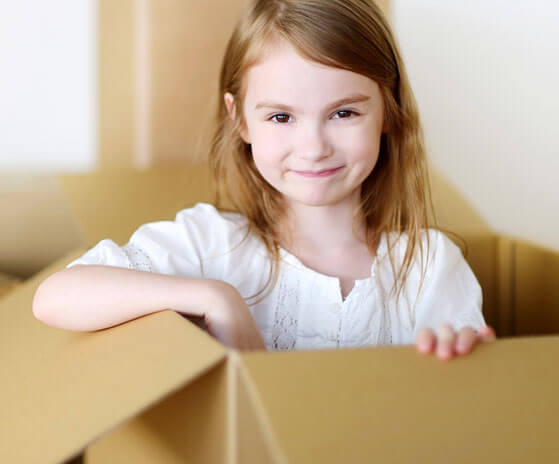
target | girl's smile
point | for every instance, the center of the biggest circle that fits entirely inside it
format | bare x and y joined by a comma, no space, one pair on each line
318,174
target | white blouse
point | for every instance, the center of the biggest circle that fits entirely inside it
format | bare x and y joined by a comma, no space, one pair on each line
305,309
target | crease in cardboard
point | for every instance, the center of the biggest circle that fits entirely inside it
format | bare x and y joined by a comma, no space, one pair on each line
232,413
513,307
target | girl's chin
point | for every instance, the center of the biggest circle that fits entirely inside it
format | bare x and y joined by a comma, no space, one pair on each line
314,201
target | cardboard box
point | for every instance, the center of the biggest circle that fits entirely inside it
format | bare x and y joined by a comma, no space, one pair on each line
160,389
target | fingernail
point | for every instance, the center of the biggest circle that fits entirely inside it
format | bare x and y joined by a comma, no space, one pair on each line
461,347
423,347
444,352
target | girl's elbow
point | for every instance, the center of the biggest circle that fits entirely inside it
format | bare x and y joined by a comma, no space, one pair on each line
39,306
44,304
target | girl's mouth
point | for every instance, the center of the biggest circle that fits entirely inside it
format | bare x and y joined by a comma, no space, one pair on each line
322,173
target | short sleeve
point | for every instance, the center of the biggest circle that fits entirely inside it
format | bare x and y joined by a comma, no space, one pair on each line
450,292
178,247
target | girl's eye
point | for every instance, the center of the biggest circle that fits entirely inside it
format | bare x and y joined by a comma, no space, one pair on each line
280,118
345,114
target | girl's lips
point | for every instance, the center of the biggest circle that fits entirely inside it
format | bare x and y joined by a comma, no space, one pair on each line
323,173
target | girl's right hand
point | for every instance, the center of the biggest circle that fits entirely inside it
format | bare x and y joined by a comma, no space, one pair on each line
230,321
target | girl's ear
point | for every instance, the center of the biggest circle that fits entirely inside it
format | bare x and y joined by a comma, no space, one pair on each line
230,104
231,109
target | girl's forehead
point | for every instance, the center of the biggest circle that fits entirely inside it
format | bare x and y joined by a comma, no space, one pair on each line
282,72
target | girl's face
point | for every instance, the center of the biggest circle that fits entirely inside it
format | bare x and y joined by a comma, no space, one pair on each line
315,130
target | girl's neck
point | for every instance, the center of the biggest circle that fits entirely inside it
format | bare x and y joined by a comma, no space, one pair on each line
322,227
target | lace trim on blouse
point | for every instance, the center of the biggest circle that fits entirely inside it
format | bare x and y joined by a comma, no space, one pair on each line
384,336
284,332
137,258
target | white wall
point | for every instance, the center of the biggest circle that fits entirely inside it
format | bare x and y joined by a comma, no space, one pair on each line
48,85
486,76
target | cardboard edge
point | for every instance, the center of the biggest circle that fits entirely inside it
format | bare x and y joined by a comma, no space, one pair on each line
75,451
232,433
268,432
506,271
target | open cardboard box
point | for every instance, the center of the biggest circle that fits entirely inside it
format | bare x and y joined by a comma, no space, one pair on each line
160,389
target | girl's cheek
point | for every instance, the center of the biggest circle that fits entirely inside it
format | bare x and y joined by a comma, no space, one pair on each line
357,144
272,142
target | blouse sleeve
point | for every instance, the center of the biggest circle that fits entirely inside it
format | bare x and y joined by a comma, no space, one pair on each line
176,247
450,292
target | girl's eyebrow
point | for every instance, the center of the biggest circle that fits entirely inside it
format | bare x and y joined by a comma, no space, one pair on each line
357,98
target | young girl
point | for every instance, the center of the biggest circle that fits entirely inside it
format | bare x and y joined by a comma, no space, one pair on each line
318,148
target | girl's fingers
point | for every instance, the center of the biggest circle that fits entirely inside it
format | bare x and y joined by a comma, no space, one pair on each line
446,338
467,338
425,341
487,334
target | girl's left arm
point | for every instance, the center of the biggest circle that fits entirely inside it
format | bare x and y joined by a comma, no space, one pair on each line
449,318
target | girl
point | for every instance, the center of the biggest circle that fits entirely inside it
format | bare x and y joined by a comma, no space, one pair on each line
318,148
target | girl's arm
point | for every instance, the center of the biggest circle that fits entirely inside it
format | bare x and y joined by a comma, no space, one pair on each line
449,320
92,297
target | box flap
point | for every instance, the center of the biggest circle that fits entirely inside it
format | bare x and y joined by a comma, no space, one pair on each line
535,283
113,204
215,419
36,224
189,425
61,389
499,404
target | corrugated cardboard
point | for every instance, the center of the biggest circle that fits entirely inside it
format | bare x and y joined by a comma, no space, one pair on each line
63,389
160,389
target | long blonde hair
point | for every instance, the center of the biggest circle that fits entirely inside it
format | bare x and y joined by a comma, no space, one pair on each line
352,35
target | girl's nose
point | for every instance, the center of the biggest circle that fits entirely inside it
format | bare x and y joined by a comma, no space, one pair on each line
314,144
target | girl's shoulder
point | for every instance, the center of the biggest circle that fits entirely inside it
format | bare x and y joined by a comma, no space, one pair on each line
207,214
440,286
433,245
211,228
197,235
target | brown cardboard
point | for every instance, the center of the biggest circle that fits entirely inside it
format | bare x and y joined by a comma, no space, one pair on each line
46,216
61,390
114,203
499,404
325,406
159,389
537,288
7,284
36,225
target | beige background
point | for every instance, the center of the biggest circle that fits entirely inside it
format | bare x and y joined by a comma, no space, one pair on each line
486,84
